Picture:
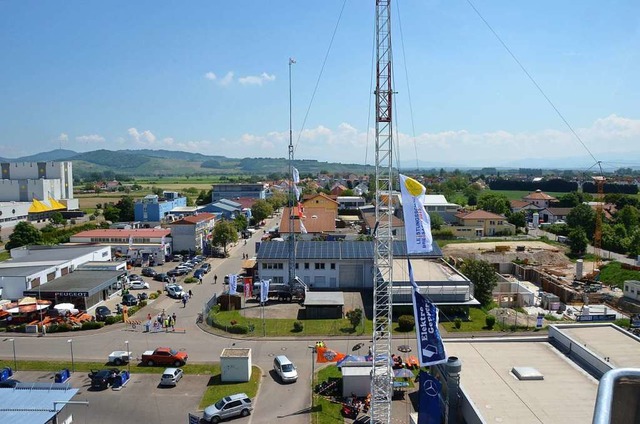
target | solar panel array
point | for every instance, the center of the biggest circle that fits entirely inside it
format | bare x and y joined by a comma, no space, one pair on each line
333,250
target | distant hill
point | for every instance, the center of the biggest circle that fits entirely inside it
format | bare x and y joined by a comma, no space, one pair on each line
176,163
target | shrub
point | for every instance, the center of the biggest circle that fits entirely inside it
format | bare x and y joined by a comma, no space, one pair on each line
190,280
490,321
153,296
142,304
298,326
92,325
238,329
406,323
457,323
58,328
113,319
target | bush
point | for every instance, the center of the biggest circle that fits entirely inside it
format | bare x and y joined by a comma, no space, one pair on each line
406,323
92,325
142,304
59,328
238,329
298,326
113,319
457,323
153,296
190,280
490,321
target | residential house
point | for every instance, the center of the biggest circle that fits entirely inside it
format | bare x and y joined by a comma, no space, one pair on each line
540,199
480,223
553,215
361,189
631,289
315,221
320,200
437,203
145,244
191,233
351,203
338,189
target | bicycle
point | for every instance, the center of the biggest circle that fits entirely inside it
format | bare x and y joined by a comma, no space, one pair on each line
199,319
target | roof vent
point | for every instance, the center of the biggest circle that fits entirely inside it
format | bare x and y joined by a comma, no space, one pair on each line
527,373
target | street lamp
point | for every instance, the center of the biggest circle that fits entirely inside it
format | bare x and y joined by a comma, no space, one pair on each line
73,367
126,342
15,362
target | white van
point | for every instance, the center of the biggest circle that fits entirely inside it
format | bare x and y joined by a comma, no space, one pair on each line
285,369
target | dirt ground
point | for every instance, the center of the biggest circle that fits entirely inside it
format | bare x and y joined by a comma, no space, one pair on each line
535,252
292,310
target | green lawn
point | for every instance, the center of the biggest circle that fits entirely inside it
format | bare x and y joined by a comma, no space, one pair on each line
519,194
216,389
476,322
613,274
324,411
54,366
4,255
284,327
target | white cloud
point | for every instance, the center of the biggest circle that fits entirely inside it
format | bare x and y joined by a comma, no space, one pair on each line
92,138
256,79
227,79
63,137
210,76
145,137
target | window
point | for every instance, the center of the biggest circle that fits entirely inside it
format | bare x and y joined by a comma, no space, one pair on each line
297,265
319,265
492,222
333,265
306,265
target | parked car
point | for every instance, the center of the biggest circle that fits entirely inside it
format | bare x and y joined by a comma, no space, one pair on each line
206,267
174,290
176,272
9,383
134,277
102,312
196,259
177,258
227,407
129,300
164,356
186,264
139,285
199,273
183,269
200,258
149,272
161,276
171,376
101,379
285,369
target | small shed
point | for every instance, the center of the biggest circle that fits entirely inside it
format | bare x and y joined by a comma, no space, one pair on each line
235,364
356,379
324,305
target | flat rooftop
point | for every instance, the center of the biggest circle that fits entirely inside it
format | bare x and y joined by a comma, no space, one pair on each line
567,393
621,347
425,270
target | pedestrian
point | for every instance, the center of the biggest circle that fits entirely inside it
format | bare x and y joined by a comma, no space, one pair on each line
190,294
148,317
184,301
173,317
166,323
159,319
173,324
215,278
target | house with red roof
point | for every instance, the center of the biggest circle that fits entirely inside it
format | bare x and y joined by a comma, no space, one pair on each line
480,223
540,199
192,233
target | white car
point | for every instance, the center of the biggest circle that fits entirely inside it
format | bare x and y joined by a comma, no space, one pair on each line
227,407
119,357
138,285
174,290
171,376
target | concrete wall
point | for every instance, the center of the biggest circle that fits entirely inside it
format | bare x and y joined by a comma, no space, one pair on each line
578,352
470,413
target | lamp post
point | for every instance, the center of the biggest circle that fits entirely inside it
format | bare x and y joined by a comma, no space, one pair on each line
126,342
15,362
73,367
313,372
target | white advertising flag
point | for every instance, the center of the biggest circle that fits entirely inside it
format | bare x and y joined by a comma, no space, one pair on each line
264,290
233,283
417,224
296,176
303,229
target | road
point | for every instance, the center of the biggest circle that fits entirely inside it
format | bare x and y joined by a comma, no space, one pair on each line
275,401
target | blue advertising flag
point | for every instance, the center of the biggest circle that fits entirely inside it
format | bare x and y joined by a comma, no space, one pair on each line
264,290
430,346
429,410
233,283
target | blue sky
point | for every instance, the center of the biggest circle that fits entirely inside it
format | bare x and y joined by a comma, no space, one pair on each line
212,77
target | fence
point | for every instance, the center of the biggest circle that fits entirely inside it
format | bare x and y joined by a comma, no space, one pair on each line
208,305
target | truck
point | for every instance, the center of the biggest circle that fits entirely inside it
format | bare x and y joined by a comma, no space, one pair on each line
281,291
119,357
164,356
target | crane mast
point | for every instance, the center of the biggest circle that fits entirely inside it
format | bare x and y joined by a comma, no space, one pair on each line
382,375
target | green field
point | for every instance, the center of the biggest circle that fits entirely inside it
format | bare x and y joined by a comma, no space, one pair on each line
613,274
519,194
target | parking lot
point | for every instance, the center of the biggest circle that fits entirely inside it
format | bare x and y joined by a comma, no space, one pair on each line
140,401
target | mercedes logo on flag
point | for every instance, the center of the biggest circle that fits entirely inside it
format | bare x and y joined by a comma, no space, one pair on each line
429,350
430,388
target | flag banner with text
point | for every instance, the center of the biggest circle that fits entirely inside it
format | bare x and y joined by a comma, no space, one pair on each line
248,289
417,224
264,290
429,410
296,176
324,354
430,346
233,283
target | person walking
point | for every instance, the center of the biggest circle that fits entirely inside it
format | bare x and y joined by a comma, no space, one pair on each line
184,300
215,278
190,294
173,317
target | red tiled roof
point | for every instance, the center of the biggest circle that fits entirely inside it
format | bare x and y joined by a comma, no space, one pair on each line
538,195
315,220
194,219
519,203
137,232
479,214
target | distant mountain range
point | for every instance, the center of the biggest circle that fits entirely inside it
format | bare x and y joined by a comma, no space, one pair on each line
170,163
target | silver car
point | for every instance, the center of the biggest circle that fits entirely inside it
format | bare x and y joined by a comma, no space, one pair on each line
227,407
171,376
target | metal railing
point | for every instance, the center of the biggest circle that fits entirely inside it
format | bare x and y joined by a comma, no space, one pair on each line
618,400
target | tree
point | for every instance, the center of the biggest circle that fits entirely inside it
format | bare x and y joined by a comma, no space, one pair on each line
584,217
578,241
355,317
261,209
58,219
483,277
24,234
224,232
494,202
518,219
436,220
111,213
628,216
277,200
126,207
241,222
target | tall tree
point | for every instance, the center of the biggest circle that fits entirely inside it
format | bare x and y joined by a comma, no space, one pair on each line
436,220
483,277
629,216
518,219
241,222
578,241
582,216
224,232
261,209
494,202
126,207
24,234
